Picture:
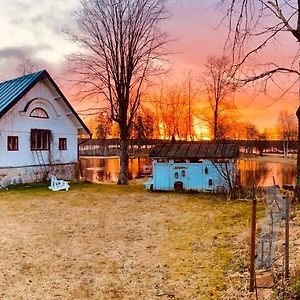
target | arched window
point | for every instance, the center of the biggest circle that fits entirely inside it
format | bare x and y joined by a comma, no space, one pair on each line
39,113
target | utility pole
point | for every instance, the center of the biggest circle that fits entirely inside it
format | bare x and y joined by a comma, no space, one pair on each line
252,245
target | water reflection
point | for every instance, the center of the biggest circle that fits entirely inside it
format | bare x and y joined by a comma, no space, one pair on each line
97,169
251,172
260,173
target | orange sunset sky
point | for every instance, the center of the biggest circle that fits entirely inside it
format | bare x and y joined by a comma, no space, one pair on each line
35,29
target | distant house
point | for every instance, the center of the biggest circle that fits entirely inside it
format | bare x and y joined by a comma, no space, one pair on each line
195,167
38,130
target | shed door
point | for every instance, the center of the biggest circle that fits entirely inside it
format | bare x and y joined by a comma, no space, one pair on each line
196,180
162,177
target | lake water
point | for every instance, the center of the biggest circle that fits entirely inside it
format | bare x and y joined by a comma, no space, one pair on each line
266,173
96,169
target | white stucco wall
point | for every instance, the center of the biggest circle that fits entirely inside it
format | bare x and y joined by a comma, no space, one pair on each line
18,123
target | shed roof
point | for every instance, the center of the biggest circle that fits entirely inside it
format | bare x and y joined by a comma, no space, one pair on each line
195,151
11,91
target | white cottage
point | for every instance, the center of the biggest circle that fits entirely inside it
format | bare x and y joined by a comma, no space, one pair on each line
38,130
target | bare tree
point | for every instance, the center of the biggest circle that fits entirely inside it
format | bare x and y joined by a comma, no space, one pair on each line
174,107
220,88
262,144
148,126
287,129
27,66
169,109
255,26
121,47
143,126
190,91
225,165
251,134
104,126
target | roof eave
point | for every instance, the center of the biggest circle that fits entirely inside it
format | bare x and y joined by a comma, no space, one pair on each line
45,75
86,129
22,94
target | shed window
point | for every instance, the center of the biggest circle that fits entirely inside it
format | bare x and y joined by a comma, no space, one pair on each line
39,113
179,160
62,144
196,160
162,160
12,143
221,161
40,139
210,182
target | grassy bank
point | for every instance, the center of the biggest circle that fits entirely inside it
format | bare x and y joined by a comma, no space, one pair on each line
116,242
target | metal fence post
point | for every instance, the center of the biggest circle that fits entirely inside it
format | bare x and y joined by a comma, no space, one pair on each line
287,233
252,246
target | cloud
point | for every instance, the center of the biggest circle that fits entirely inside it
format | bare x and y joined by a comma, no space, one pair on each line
22,52
36,23
34,29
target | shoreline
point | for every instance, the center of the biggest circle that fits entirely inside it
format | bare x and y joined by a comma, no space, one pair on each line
271,158
267,158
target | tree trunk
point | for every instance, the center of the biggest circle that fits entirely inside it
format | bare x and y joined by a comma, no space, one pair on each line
298,158
124,157
215,125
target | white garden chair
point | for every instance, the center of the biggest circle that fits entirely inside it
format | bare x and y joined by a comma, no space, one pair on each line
58,184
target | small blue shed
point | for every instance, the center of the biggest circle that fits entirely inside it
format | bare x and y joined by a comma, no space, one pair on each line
203,166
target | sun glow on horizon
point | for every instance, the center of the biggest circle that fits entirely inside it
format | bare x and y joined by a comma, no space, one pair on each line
201,130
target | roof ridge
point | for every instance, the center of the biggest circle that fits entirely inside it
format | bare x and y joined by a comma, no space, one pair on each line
24,76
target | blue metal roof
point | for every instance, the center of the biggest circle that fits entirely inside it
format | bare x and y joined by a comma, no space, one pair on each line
12,90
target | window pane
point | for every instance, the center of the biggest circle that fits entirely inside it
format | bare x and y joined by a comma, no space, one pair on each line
12,143
62,144
40,139
39,113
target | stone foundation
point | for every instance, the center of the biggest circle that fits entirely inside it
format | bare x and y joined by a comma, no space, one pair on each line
19,175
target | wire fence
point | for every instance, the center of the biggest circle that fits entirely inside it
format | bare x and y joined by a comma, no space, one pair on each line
275,213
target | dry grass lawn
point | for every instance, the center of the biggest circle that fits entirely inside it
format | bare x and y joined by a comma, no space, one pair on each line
114,242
